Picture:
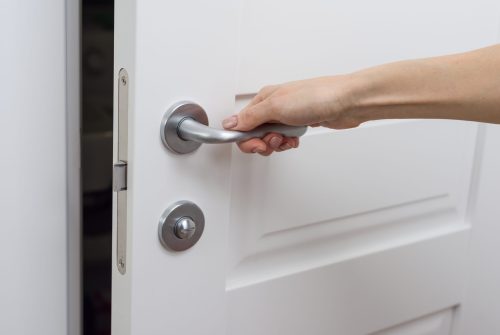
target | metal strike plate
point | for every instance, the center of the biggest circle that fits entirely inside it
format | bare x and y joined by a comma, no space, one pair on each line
120,172
181,226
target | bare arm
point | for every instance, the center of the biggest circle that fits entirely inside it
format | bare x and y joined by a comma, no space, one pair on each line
464,87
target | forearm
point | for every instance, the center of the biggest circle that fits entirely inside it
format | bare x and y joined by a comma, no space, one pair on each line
463,86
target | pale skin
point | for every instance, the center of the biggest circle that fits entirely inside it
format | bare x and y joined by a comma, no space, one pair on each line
463,86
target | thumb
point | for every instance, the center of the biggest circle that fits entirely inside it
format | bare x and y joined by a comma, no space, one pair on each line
249,117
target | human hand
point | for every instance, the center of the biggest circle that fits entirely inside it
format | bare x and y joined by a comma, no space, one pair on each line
312,102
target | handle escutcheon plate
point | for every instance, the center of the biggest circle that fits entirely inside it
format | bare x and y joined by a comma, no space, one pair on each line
171,121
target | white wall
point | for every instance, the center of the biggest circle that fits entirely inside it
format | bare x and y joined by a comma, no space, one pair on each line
33,168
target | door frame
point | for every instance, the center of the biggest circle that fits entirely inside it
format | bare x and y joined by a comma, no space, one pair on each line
73,151
40,118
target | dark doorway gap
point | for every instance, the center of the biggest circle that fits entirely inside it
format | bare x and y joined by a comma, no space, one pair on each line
97,151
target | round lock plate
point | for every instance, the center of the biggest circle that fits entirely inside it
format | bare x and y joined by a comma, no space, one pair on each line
181,215
171,120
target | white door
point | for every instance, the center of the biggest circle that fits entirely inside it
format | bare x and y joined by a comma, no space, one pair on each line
357,232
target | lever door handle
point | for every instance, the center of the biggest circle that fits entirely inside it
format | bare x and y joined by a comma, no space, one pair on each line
185,127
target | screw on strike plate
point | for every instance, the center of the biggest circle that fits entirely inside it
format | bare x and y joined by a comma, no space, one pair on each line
121,263
124,80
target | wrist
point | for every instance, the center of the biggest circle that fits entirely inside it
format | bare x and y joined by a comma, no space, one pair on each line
357,93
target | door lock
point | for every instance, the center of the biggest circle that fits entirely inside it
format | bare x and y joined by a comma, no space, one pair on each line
185,228
181,225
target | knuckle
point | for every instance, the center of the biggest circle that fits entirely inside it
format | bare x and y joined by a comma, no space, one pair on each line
265,89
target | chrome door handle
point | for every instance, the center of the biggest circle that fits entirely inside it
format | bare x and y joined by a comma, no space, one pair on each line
185,127
192,130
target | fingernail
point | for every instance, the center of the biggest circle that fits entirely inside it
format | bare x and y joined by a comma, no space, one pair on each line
230,122
275,142
285,146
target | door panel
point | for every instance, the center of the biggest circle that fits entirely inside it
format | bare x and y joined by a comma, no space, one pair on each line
358,295
368,196
355,172
355,232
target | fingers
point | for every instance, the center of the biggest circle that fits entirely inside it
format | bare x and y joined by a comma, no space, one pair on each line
257,112
254,145
250,117
288,143
264,146
270,143
260,110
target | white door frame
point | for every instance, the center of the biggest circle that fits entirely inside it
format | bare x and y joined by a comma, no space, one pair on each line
73,137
